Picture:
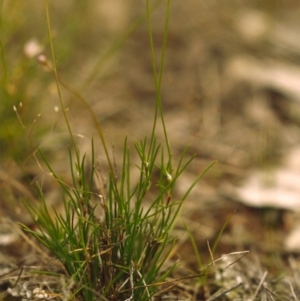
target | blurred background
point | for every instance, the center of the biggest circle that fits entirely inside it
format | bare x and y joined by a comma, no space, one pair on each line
231,90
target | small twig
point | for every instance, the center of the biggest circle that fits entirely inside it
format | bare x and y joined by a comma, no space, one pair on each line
224,292
131,282
244,253
293,292
31,243
260,284
19,118
147,290
210,253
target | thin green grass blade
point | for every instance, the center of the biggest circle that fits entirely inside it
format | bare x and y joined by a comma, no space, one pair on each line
57,79
216,242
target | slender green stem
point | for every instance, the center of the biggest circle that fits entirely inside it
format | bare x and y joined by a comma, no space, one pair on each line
4,70
57,80
158,77
153,70
162,60
1,12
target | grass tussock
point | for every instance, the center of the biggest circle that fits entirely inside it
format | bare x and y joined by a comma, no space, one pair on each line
120,254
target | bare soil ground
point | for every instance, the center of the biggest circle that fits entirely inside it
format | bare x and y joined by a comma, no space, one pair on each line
231,92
